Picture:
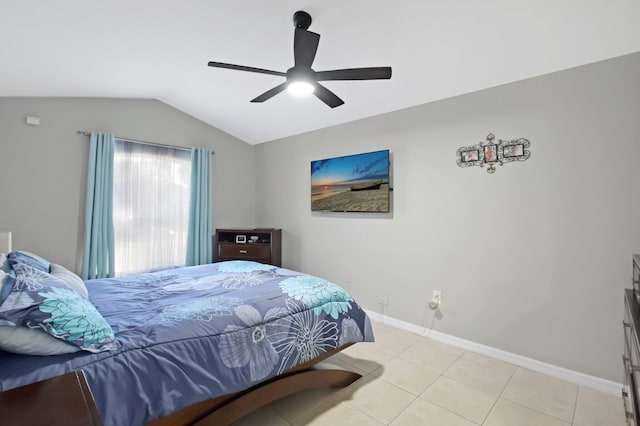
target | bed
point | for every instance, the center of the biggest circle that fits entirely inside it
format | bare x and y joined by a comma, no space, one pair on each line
203,344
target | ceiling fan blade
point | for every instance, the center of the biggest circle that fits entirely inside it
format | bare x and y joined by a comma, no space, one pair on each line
373,73
270,93
305,45
243,68
327,96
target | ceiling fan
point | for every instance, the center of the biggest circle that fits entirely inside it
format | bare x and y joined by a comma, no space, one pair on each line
301,78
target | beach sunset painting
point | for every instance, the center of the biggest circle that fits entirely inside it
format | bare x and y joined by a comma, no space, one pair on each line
353,183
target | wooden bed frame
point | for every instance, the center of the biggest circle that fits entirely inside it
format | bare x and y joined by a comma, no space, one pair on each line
67,401
226,409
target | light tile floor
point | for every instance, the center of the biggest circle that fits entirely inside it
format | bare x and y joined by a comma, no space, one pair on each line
412,380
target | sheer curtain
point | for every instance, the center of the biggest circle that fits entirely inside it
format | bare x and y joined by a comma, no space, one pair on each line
150,206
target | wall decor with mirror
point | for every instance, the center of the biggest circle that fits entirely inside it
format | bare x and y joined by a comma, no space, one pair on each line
490,153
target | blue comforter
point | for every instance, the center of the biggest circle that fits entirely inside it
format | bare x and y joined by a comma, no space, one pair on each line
189,334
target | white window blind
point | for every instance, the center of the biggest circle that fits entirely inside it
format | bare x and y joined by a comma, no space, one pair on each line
150,206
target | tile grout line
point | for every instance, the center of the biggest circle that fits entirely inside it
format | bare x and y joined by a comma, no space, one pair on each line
575,407
415,397
535,409
440,374
461,356
500,394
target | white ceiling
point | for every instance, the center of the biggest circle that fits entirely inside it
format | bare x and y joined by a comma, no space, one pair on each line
159,49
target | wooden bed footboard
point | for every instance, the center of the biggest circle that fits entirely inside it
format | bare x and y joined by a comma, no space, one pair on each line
226,409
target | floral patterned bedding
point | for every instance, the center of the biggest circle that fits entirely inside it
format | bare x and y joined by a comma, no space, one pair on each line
189,334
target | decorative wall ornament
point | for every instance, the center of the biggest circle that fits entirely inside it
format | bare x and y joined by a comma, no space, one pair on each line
492,153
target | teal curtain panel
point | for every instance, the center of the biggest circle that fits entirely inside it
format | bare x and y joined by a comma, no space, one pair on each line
98,261
199,248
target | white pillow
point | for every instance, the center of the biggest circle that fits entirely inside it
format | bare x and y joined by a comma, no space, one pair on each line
6,284
32,341
71,279
4,263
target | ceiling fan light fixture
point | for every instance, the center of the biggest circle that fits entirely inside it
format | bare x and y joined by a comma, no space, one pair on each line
300,88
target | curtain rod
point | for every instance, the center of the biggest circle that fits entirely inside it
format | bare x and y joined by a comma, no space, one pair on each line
83,132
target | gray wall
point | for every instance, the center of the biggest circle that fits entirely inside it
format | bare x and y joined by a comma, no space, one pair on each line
43,169
531,259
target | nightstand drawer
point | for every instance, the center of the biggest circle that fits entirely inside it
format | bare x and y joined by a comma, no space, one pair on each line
250,251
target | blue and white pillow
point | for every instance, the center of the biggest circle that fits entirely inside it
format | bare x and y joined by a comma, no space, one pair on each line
30,259
40,300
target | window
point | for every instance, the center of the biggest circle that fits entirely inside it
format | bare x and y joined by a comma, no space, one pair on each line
151,192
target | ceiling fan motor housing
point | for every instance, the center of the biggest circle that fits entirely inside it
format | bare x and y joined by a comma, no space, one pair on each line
302,19
300,74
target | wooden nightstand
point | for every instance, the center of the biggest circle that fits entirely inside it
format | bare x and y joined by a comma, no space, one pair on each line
260,245
60,401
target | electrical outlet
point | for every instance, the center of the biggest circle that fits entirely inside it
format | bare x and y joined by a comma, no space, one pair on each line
383,300
436,300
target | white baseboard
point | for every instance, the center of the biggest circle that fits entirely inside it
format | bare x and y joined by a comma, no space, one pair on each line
576,377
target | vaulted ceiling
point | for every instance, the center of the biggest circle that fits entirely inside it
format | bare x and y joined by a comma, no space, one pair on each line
159,50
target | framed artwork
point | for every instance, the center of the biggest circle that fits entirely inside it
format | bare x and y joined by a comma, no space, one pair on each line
513,150
241,239
352,183
470,156
491,153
